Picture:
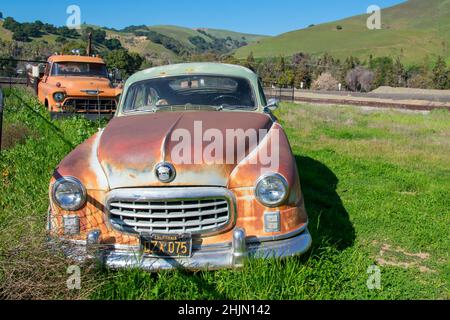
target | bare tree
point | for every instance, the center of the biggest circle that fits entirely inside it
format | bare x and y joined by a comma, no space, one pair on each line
325,82
360,79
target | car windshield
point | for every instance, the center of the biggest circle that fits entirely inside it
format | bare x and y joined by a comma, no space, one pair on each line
220,92
81,69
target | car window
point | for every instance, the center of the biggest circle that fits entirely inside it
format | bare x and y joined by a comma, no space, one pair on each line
198,90
79,69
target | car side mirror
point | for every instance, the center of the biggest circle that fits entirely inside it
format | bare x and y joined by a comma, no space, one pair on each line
272,105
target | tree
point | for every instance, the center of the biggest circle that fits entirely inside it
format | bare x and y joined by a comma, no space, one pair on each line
98,35
440,74
10,24
7,66
349,64
266,70
67,33
1,15
231,60
399,73
286,78
113,44
74,45
384,71
60,39
127,63
302,74
250,62
20,35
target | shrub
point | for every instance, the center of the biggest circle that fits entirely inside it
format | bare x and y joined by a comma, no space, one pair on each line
420,81
325,82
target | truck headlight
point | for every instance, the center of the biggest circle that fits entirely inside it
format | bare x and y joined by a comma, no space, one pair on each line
69,194
272,190
59,96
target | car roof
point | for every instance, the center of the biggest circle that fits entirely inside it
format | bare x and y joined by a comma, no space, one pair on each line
74,58
195,68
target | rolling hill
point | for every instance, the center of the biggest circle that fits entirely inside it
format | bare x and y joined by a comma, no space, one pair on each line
167,41
135,39
413,30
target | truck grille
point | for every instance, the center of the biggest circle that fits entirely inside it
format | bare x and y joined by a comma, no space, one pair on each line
156,212
90,105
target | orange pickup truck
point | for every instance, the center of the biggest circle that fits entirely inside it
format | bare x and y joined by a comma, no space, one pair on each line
77,84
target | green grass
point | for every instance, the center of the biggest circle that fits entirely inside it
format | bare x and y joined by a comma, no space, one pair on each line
412,30
5,35
377,190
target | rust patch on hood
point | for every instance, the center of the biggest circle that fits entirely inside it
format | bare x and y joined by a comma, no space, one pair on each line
132,146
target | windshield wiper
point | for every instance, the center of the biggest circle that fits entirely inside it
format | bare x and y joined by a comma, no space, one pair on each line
231,107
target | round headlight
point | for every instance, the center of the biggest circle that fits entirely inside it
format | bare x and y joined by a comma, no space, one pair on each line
59,96
272,190
69,194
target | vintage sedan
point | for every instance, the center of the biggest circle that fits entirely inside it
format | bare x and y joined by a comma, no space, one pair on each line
193,172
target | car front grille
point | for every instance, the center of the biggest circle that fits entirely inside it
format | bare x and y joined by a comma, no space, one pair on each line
171,210
90,105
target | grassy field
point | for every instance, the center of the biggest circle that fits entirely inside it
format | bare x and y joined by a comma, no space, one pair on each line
376,186
412,30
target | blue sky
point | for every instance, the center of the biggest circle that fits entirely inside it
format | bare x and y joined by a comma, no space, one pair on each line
269,17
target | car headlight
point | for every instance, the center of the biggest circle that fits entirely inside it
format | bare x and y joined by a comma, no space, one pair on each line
59,96
272,190
69,194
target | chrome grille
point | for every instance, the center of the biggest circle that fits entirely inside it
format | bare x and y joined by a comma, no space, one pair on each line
170,211
90,105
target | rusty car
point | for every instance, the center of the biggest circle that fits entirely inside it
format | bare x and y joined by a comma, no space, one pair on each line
77,84
194,171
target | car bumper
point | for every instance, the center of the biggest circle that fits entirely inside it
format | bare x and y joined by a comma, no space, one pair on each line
232,255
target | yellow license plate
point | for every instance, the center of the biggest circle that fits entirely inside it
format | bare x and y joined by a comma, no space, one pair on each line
167,246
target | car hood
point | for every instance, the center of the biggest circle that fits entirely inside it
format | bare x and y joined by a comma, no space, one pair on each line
131,146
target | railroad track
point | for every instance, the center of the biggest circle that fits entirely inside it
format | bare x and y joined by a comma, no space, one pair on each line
362,101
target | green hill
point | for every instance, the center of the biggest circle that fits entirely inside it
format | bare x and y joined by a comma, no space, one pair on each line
156,41
412,30
135,39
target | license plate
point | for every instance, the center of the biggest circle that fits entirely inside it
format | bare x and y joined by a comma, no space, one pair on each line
168,246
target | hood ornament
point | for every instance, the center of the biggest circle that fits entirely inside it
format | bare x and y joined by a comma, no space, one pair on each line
92,92
165,172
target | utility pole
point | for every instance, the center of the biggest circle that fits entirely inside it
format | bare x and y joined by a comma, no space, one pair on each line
89,48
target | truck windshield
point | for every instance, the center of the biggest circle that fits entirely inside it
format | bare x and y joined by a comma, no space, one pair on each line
187,92
81,69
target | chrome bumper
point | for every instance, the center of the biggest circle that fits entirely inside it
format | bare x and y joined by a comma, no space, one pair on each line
233,255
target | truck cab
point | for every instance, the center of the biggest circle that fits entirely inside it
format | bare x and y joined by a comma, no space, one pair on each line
77,84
